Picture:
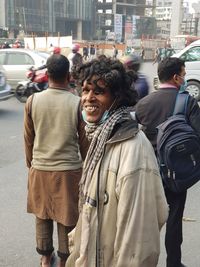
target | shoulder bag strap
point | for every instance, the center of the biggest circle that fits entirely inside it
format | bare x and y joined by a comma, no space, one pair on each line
181,104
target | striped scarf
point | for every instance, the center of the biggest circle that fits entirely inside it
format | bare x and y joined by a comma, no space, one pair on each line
99,134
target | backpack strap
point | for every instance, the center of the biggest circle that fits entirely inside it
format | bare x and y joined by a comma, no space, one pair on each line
181,103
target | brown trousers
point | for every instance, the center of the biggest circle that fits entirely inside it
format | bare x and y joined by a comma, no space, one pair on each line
44,238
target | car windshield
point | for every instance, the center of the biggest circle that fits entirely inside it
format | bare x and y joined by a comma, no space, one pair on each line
192,54
43,54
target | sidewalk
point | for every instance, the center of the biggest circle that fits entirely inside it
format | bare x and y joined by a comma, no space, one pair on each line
191,231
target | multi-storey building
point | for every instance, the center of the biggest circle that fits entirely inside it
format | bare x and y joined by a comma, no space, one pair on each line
164,3
51,16
164,13
117,17
83,19
174,13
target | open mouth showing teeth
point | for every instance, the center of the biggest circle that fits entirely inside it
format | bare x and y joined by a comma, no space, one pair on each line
90,108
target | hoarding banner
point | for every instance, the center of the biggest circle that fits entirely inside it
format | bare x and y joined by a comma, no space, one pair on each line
45,42
128,28
118,27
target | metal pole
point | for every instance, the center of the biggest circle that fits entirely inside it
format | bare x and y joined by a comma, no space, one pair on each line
99,26
52,6
24,16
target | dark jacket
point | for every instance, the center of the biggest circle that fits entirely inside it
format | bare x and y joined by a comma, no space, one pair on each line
158,106
77,59
141,85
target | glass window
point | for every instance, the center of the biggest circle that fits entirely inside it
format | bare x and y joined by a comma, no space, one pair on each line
19,59
2,58
193,54
44,54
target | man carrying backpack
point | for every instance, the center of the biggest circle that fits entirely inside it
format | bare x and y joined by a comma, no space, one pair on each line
151,111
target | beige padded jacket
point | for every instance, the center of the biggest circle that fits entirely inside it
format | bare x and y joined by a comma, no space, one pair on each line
132,206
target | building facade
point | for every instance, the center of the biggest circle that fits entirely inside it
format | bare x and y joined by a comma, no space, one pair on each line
83,19
120,19
174,14
66,17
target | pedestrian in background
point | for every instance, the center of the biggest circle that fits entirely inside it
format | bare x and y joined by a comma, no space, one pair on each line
140,84
92,52
17,44
54,135
142,53
122,202
85,52
150,112
132,50
115,52
98,51
157,55
75,58
6,45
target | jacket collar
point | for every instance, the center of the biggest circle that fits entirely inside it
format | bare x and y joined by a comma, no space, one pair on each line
167,85
124,130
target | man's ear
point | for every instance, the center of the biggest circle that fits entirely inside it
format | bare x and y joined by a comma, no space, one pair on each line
175,80
175,77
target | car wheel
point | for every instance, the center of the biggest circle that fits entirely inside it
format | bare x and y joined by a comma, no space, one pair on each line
20,93
193,88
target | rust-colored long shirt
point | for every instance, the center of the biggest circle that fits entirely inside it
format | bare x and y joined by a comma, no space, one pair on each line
52,190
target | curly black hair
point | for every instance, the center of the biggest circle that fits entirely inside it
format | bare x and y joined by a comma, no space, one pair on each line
117,79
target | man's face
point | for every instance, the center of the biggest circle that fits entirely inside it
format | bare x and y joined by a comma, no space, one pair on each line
180,78
96,98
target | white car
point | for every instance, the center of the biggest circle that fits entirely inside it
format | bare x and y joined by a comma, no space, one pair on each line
191,55
5,89
16,61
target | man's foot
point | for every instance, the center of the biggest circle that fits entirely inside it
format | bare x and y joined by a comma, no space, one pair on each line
61,263
47,261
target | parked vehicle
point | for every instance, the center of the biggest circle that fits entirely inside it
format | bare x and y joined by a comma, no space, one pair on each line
179,42
16,61
37,82
191,56
5,89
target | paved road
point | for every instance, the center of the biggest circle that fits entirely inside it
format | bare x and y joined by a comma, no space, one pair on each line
17,231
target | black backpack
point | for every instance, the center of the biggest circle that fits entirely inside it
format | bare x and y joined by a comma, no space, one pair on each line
178,149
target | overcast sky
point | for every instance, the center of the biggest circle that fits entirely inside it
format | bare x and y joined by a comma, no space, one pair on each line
191,2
